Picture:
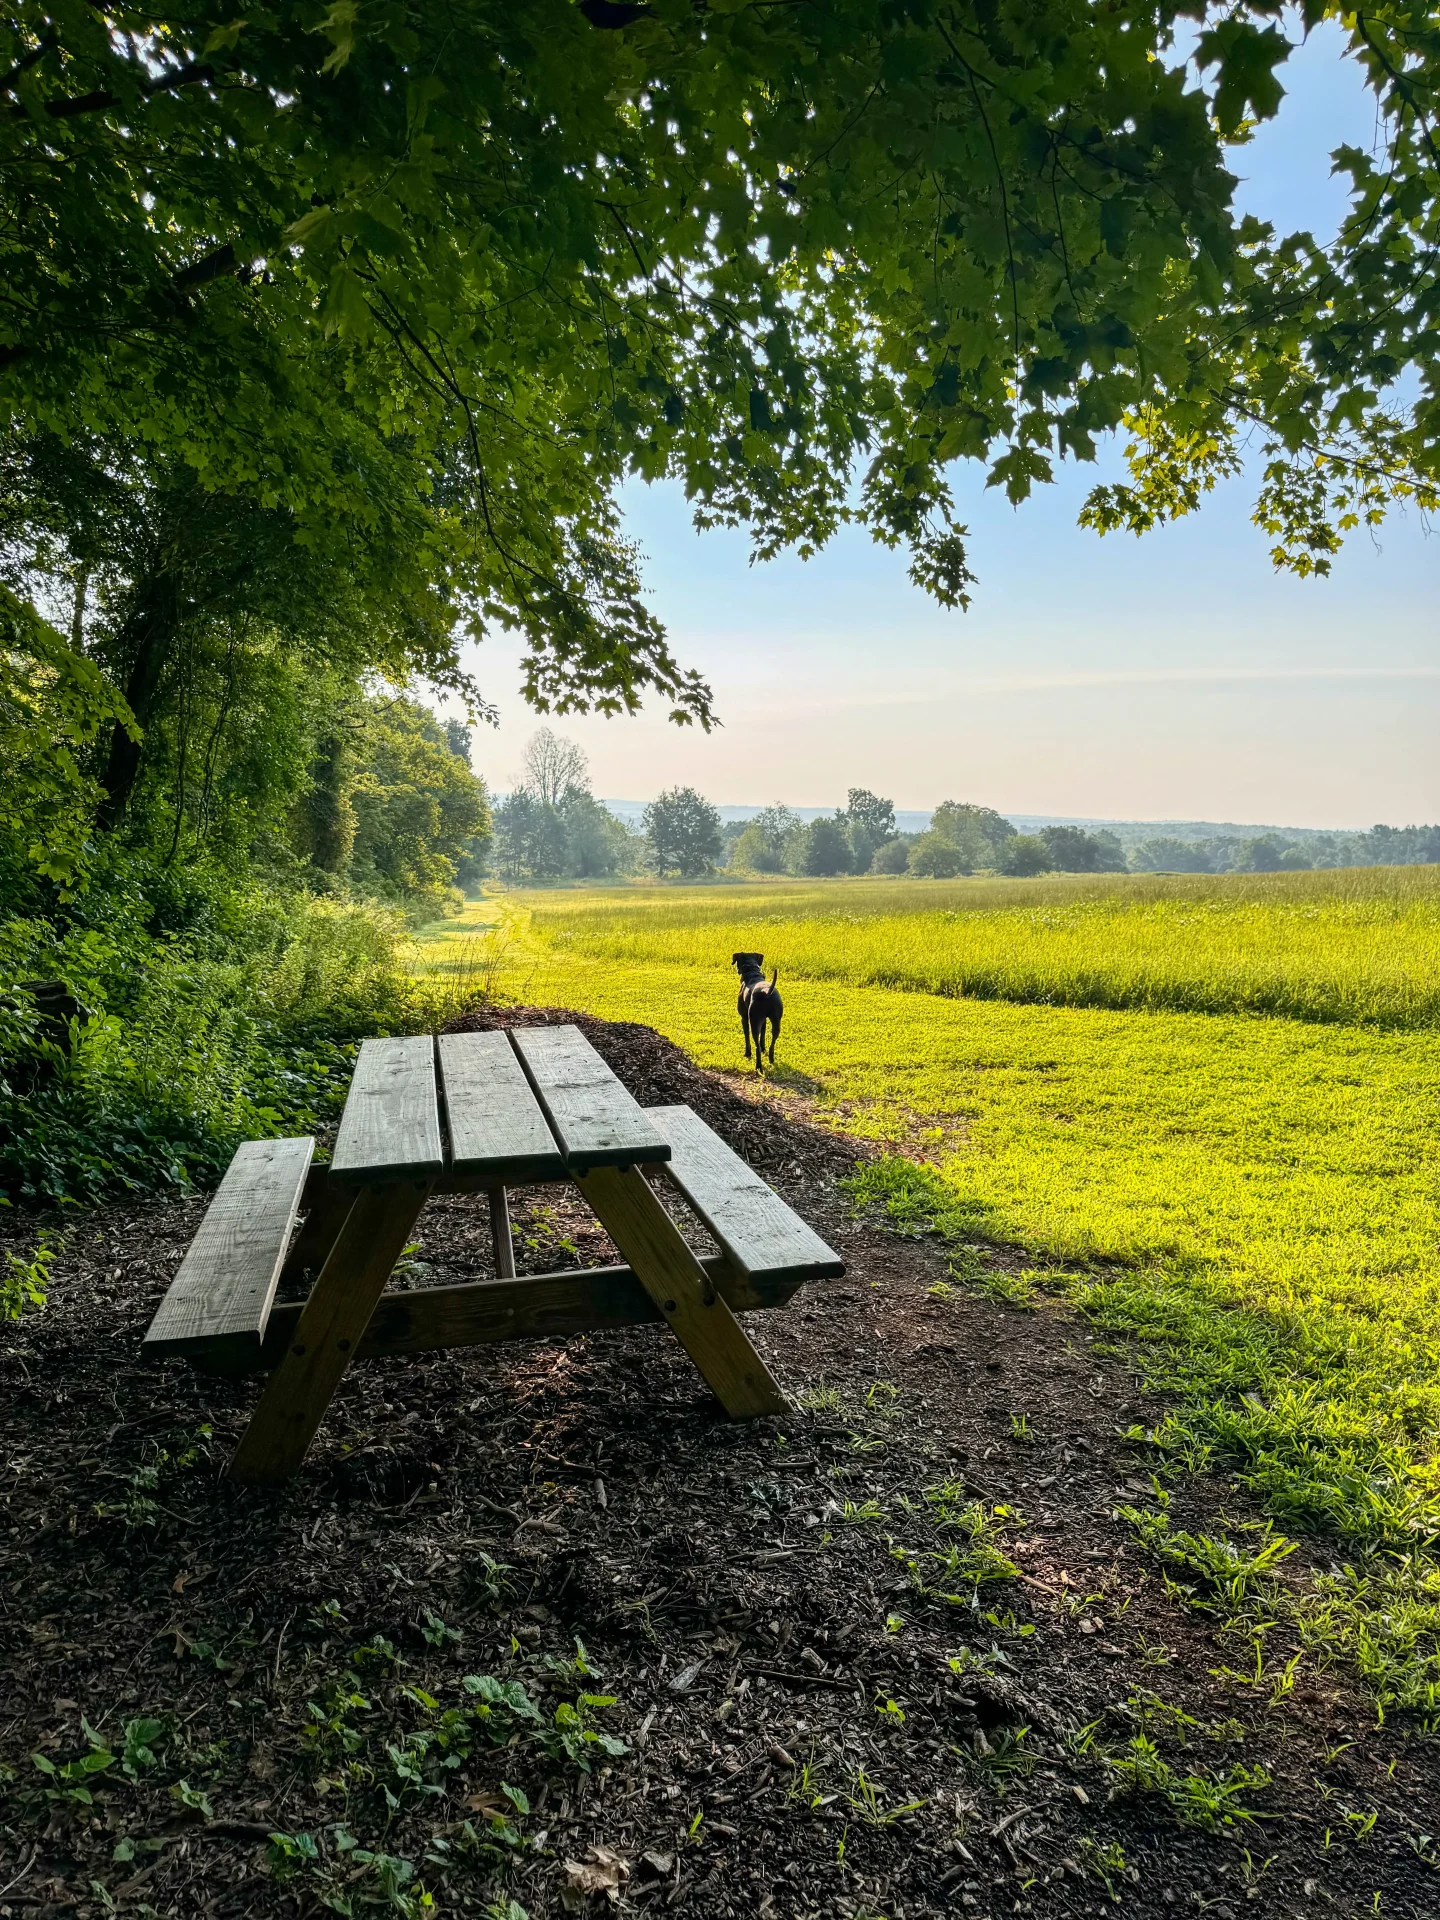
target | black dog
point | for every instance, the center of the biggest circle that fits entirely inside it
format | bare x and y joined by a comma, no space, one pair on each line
759,1002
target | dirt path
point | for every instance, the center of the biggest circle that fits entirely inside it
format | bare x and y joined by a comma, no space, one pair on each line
865,1660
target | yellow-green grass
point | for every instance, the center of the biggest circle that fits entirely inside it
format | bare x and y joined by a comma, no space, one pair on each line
1256,1201
1354,945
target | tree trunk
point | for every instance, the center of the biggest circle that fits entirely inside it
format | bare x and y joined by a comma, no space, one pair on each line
146,640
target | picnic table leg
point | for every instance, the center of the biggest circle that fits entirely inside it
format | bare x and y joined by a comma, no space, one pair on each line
326,1206
670,1273
293,1401
500,1238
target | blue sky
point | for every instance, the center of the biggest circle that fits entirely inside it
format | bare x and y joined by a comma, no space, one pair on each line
1172,677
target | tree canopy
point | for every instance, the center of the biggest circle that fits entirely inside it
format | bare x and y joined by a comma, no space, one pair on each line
428,281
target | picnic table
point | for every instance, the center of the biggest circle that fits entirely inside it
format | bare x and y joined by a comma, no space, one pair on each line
475,1113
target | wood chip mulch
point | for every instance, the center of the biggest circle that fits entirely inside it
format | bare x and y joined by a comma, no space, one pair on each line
811,1727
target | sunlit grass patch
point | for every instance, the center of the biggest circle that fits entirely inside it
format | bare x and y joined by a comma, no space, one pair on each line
1247,1206
1350,945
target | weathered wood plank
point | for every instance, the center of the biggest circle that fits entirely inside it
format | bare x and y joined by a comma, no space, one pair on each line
391,1123
222,1294
325,1203
293,1401
596,1121
692,1305
496,1125
542,1306
759,1232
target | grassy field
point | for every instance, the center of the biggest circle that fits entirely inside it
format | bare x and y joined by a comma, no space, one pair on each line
1252,1199
1353,945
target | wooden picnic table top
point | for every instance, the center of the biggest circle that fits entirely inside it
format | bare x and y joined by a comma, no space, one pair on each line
525,1105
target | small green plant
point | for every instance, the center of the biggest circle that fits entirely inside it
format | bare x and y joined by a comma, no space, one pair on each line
572,1737
1196,1799
437,1634
891,1711
70,1780
941,1290
1020,1429
865,1510
141,1738
25,1284
866,1797
1106,1862
819,1399
1148,1710
191,1799
1224,1575
997,1763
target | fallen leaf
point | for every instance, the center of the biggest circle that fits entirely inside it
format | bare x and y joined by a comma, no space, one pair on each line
685,1679
780,1757
604,1873
486,1803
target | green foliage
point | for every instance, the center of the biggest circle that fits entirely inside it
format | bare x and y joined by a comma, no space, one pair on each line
1205,1800
770,843
25,1283
825,846
1224,1575
1025,855
234,1018
53,704
417,807
684,832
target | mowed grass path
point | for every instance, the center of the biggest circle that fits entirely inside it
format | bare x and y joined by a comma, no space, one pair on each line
1256,1200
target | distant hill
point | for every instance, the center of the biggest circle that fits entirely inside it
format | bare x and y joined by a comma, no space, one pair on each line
1128,832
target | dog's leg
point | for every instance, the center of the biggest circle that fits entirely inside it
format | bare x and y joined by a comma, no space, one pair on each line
759,1020
745,1023
774,1033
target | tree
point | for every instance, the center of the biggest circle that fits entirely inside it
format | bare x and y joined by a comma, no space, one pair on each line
825,849
1073,850
554,769
1266,853
871,822
1025,854
1112,853
979,833
596,843
770,842
1166,854
760,248
893,857
683,831
935,857
418,808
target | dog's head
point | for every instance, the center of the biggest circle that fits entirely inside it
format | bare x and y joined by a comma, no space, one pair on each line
747,962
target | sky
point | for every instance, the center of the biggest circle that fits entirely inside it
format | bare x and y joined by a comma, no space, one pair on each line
1173,677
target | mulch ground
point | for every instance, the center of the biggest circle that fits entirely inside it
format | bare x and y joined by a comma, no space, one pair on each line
811,1727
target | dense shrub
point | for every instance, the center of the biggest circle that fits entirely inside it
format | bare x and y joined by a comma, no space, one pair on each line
235,1020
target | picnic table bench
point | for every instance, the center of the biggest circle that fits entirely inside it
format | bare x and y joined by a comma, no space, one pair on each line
474,1113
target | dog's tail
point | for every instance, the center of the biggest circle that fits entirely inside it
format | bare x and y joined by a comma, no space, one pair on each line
774,975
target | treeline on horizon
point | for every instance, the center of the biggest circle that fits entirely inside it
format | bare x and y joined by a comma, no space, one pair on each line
551,827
